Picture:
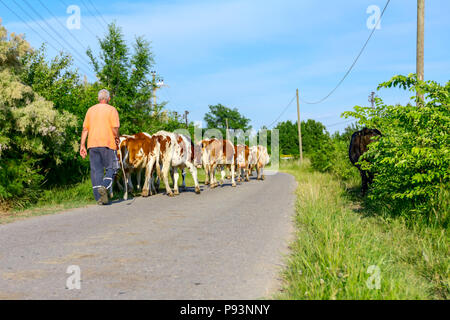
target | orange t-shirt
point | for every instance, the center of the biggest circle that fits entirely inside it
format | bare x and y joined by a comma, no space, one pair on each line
99,121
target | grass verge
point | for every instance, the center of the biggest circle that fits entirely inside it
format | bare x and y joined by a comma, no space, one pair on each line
340,252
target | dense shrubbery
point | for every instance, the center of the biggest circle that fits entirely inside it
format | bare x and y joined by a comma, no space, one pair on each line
412,158
332,157
32,131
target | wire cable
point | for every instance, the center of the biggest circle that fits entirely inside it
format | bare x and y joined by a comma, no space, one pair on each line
98,12
63,3
92,14
338,123
62,26
353,64
83,59
40,35
282,112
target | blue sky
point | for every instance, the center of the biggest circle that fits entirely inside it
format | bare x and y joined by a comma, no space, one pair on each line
253,54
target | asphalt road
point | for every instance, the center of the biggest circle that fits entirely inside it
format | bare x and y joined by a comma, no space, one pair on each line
227,243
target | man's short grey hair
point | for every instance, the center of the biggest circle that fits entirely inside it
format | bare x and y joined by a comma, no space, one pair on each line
103,95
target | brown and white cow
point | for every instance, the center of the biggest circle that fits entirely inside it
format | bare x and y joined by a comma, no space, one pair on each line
258,158
139,151
177,152
217,154
242,152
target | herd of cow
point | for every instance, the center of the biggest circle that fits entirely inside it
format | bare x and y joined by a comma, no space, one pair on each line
165,153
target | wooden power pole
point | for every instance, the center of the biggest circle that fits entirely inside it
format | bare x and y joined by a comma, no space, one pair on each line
299,129
420,42
226,121
185,116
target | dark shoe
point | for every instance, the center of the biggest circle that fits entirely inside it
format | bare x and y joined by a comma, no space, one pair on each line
103,195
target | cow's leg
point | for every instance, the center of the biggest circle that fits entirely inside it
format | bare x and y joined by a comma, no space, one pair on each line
152,184
138,179
238,174
222,174
176,175
233,182
150,166
207,181
165,174
213,175
258,172
364,186
129,182
183,175
263,177
146,189
172,173
193,171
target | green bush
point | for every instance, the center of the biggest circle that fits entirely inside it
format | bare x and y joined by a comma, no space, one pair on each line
412,158
332,157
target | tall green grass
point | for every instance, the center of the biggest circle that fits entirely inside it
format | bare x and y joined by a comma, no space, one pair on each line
337,241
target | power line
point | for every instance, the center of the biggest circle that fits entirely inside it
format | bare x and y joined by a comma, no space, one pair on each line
62,26
63,3
354,62
56,32
338,123
99,13
31,28
95,16
281,114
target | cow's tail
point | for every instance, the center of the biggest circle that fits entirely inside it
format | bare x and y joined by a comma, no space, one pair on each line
158,167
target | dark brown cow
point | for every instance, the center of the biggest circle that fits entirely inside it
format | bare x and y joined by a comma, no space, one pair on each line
358,146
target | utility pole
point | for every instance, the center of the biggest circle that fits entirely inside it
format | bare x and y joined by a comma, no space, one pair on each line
185,117
226,121
156,86
372,99
420,43
299,129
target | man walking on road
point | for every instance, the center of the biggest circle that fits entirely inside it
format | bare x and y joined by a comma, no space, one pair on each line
102,125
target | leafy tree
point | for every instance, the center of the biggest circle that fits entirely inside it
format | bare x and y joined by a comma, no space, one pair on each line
125,73
217,115
314,135
288,135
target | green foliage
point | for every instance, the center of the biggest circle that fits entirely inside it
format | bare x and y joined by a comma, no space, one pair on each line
34,136
125,73
412,158
217,115
314,135
332,156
